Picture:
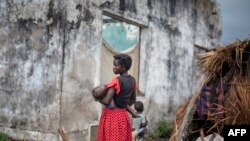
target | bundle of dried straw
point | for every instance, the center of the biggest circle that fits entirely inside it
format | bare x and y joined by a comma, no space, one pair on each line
211,62
236,105
236,108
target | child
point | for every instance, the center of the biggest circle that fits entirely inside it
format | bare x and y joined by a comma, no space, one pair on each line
99,92
115,123
139,123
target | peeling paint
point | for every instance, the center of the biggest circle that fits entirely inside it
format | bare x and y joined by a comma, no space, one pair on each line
50,51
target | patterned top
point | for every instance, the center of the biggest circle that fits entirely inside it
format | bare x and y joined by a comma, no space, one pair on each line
211,99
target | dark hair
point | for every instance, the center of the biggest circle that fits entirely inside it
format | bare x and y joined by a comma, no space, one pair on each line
138,106
124,60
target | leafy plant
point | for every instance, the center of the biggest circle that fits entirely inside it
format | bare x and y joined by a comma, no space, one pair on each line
4,137
163,129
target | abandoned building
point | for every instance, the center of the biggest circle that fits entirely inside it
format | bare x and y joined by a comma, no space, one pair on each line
53,52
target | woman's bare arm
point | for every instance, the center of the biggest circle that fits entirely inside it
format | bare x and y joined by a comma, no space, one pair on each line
132,112
109,96
132,98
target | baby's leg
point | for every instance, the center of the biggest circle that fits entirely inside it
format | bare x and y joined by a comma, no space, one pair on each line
134,135
112,103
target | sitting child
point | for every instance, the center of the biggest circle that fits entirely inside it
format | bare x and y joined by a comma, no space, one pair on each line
139,123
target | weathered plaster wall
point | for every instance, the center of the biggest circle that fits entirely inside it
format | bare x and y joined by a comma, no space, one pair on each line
167,52
50,60
30,74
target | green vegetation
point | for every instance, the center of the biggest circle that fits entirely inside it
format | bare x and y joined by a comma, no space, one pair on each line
163,130
4,137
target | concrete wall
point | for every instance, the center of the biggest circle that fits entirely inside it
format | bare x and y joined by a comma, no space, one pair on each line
50,60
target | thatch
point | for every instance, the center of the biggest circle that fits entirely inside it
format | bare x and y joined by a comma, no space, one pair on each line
211,62
236,105
181,117
237,99
218,63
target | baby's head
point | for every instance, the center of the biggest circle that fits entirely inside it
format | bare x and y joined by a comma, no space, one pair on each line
100,91
139,106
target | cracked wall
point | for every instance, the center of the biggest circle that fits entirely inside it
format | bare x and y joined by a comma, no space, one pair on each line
50,60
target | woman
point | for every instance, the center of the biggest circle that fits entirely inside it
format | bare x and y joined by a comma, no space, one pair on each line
115,124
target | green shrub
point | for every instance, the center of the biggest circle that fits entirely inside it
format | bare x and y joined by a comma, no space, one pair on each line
4,137
163,129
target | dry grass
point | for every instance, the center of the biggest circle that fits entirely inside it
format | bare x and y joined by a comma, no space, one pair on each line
211,62
236,108
237,104
180,116
179,119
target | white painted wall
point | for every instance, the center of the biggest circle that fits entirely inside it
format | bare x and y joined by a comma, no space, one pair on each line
50,60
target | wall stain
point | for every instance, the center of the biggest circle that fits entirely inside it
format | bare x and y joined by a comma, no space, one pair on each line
129,5
106,4
26,25
170,105
149,4
173,6
17,122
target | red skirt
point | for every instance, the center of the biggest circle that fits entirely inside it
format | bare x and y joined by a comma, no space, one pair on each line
114,125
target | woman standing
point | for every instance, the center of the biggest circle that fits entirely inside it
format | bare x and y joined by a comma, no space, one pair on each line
115,123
